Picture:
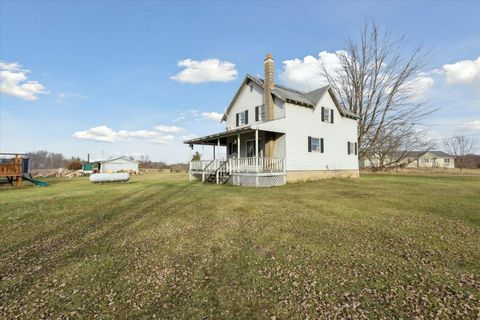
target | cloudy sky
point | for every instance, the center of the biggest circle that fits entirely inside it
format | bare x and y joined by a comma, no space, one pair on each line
136,77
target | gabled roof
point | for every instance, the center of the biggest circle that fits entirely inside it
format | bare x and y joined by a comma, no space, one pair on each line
307,99
123,158
439,154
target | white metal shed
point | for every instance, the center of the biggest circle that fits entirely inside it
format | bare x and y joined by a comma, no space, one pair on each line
119,164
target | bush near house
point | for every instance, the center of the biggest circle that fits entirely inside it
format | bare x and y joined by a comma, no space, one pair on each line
381,246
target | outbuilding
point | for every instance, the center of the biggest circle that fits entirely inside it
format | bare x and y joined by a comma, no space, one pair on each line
119,164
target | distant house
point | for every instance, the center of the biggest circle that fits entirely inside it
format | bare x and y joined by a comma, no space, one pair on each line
418,159
118,164
275,134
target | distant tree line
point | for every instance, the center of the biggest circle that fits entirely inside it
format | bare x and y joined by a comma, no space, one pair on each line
51,160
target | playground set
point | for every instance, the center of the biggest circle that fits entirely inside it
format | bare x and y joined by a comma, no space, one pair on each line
16,167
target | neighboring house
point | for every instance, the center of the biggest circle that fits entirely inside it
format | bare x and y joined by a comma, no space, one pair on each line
419,159
276,134
119,164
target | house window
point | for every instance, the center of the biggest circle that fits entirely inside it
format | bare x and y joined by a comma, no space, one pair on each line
315,144
260,113
446,160
327,115
425,160
242,118
351,147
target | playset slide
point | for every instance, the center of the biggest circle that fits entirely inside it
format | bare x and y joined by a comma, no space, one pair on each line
35,181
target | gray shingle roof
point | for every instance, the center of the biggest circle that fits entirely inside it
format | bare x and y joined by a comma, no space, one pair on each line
309,99
439,154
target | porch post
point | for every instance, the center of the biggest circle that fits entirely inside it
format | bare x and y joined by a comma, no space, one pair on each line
190,147
256,150
238,145
218,143
214,152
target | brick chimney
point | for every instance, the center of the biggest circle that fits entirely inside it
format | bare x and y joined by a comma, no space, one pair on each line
269,85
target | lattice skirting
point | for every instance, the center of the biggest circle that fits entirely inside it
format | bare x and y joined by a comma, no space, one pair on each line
260,181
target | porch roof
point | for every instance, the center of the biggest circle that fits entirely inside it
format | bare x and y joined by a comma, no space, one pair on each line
212,139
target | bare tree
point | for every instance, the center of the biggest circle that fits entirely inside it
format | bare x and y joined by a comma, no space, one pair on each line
460,147
376,79
396,146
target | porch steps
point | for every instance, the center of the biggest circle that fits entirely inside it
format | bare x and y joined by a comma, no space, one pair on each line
222,173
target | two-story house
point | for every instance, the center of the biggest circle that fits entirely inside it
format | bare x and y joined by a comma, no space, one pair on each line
276,134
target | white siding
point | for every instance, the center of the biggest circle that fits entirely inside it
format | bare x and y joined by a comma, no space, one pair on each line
303,122
119,165
248,99
280,146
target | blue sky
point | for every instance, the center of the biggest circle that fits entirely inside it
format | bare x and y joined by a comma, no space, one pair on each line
114,66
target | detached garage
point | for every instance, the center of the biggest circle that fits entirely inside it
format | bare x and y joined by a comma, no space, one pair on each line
119,164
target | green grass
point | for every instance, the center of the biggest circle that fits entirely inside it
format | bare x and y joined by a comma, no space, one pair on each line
380,246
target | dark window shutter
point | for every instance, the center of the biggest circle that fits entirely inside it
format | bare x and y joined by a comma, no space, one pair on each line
323,118
309,144
331,115
238,119
257,114
321,145
246,116
356,148
348,147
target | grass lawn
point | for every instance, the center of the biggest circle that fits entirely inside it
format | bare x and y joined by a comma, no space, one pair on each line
380,246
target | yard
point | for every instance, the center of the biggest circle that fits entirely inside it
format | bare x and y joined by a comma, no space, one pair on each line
380,246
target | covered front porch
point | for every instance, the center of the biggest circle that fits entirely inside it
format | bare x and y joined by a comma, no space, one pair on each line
247,156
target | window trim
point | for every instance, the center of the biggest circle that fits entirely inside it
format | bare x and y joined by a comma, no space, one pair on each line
320,145
327,115
260,116
239,118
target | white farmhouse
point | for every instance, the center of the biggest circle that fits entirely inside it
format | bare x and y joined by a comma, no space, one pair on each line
276,134
119,164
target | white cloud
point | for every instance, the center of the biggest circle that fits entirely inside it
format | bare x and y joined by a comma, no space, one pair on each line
172,129
14,81
463,72
62,96
106,134
420,85
306,74
475,124
101,133
162,139
210,70
215,116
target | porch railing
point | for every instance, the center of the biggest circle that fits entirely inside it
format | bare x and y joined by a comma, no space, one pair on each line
257,164
204,165
240,165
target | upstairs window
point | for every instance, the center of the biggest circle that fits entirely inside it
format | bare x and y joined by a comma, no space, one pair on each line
315,144
242,118
260,113
352,148
327,115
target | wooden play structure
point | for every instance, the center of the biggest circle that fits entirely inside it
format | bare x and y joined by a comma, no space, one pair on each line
15,167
